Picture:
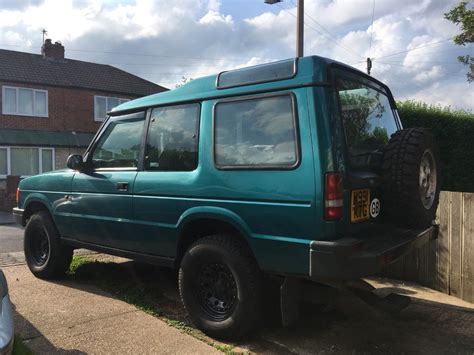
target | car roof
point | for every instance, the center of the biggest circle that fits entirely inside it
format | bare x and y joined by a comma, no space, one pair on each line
310,70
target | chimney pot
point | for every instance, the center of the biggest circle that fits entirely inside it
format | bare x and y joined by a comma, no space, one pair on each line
52,50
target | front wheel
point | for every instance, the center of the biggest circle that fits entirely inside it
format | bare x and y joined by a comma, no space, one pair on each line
220,286
45,255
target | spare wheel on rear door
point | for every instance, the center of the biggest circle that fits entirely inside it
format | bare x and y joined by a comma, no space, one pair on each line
411,178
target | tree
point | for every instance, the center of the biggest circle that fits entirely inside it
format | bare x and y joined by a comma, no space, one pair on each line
461,15
184,80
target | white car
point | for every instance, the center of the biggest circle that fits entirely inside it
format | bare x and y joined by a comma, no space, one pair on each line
6,318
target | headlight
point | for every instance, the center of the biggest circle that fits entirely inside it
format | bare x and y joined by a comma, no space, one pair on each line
3,286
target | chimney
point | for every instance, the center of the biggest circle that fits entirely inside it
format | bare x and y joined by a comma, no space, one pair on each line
52,50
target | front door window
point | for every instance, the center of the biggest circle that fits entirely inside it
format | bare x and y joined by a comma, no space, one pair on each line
119,145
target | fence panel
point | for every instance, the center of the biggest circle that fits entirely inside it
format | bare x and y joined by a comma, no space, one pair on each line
446,264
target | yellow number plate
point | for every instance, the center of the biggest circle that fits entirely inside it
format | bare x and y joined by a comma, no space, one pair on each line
360,200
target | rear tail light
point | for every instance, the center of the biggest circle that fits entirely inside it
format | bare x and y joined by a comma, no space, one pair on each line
17,195
333,196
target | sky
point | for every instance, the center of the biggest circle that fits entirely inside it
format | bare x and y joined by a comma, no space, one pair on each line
164,41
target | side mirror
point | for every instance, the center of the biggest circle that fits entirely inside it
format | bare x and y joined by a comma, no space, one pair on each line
75,162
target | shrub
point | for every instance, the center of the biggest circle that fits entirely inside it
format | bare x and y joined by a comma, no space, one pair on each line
454,132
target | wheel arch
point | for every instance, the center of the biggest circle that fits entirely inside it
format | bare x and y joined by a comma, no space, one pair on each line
199,222
33,204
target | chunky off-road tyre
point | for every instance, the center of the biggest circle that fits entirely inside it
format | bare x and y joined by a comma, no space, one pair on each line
411,178
46,256
220,286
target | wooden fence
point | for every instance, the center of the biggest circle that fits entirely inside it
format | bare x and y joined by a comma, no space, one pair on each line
446,264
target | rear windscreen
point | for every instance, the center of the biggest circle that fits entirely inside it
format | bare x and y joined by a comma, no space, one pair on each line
367,118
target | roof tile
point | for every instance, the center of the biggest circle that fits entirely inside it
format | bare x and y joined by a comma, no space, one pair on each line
33,68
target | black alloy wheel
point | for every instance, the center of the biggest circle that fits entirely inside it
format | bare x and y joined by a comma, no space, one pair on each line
39,247
221,286
216,290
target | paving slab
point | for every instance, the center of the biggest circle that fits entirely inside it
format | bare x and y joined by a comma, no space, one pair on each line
65,317
6,218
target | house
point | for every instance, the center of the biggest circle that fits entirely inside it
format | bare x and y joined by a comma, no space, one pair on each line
51,106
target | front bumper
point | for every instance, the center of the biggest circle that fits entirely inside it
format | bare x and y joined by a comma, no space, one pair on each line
6,327
350,258
18,215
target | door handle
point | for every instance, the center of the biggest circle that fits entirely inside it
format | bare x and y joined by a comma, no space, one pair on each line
122,186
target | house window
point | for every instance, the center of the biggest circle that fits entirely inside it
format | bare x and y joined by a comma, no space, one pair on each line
24,102
3,161
104,104
25,161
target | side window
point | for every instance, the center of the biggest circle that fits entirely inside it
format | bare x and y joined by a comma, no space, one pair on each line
172,142
119,145
256,133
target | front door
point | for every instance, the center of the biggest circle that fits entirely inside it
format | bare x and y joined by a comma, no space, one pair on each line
100,203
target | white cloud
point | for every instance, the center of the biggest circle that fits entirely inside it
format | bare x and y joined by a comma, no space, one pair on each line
214,5
214,17
429,75
167,40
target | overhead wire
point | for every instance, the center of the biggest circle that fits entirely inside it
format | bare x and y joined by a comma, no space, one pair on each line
137,54
412,49
444,71
329,33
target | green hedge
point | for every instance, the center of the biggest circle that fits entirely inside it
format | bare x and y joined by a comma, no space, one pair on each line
454,133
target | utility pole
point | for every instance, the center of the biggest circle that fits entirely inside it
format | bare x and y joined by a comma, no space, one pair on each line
299,25
300,29
44,33
369,65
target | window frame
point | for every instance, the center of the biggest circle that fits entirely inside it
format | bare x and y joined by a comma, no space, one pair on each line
120,99
3,176
336,71
40,158
88,155
296,132
339,72
147,128
17,91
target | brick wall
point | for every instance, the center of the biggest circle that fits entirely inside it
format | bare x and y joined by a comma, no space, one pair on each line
8,195
68,110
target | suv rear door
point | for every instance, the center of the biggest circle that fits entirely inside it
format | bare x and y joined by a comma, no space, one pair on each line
368,119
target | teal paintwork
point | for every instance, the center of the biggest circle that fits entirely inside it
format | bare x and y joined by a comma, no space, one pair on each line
279,212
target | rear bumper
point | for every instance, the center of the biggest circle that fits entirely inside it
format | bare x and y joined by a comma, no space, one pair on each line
350,258
18,215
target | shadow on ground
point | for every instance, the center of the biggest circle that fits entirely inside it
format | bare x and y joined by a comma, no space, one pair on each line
33,338
340,326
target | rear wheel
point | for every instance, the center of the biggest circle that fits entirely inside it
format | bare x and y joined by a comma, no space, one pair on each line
220,286
45,255
411,178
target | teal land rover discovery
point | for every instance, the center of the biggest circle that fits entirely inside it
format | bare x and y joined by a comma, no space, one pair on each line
298,168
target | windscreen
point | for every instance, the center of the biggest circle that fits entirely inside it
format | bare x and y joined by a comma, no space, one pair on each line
367,118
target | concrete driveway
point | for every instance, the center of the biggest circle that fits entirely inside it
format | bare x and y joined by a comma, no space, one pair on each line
75,315
63,317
